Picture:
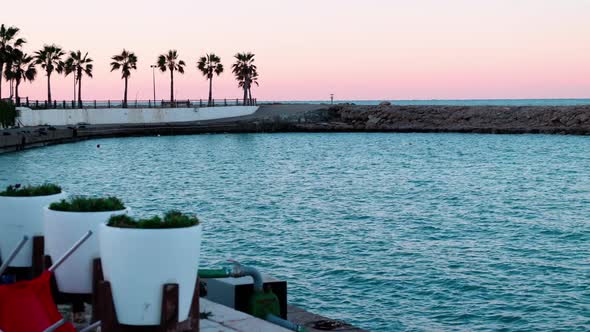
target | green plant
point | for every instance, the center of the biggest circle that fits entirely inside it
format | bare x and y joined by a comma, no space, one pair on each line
171,219
88,204
8,113
31,191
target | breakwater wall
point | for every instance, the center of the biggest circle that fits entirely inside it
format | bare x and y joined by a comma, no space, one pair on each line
570,120
64,117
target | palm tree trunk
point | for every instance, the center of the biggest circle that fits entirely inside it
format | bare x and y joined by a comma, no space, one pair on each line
49,88
1,69
171,86
250,93
210,90
125,96
16,92
245,93
80,89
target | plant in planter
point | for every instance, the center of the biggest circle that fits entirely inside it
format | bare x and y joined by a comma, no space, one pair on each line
21,213
139,256
67,220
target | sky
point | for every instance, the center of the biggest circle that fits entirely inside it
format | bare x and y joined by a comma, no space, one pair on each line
308,49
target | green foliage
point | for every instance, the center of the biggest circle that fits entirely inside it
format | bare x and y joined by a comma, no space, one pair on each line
31,191
172,219
8,113
88,204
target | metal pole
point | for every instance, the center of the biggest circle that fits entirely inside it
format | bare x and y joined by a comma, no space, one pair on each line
55,325
154,78
91,327
13,254
70,252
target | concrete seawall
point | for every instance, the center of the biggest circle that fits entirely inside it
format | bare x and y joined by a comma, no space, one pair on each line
573,120
65,117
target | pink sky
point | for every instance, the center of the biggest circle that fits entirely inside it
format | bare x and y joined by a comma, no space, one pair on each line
307,49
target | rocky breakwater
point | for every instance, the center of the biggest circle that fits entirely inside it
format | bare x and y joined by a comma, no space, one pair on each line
573,120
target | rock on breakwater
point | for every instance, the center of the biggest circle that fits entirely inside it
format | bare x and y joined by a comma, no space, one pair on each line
475,119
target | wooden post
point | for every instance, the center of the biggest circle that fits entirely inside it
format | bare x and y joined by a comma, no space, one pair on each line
195,312
95,104
169,315
55,104
72,104
36,104
27,101
237,102
107,308
38,256
97,277
109,103
200,102
225,102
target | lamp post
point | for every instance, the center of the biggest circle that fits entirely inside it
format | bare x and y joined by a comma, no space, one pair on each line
154,80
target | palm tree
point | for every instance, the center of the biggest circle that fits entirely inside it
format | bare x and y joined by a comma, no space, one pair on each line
78,64
126,61
170,62
22,68
246,73
208,65
50,59
7,35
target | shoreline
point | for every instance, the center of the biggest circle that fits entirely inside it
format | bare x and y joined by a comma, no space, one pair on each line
562,120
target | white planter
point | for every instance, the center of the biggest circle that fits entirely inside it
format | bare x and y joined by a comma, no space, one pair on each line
138,262
20,216
62,230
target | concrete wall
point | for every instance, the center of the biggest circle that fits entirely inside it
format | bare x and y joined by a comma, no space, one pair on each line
61,117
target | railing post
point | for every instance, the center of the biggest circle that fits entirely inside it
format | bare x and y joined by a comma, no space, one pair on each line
255,101
237,103
109,103
64,104
200,102
27,101
55,104
225,101
45,104
135,103
36,104
72,104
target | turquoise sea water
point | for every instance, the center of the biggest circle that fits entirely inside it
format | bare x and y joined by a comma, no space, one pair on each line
457,102
408,232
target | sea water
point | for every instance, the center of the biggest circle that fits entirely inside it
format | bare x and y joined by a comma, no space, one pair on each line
391,232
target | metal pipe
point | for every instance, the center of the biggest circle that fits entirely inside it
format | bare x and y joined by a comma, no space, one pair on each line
214,273
13,254
91,327
284,323
242,271
55,326
70,252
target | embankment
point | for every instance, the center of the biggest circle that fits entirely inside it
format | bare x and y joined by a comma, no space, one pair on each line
571,120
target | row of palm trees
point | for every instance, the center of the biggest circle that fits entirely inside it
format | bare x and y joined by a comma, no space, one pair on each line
16,66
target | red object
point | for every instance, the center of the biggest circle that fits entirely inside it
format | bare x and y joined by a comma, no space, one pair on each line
28,306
